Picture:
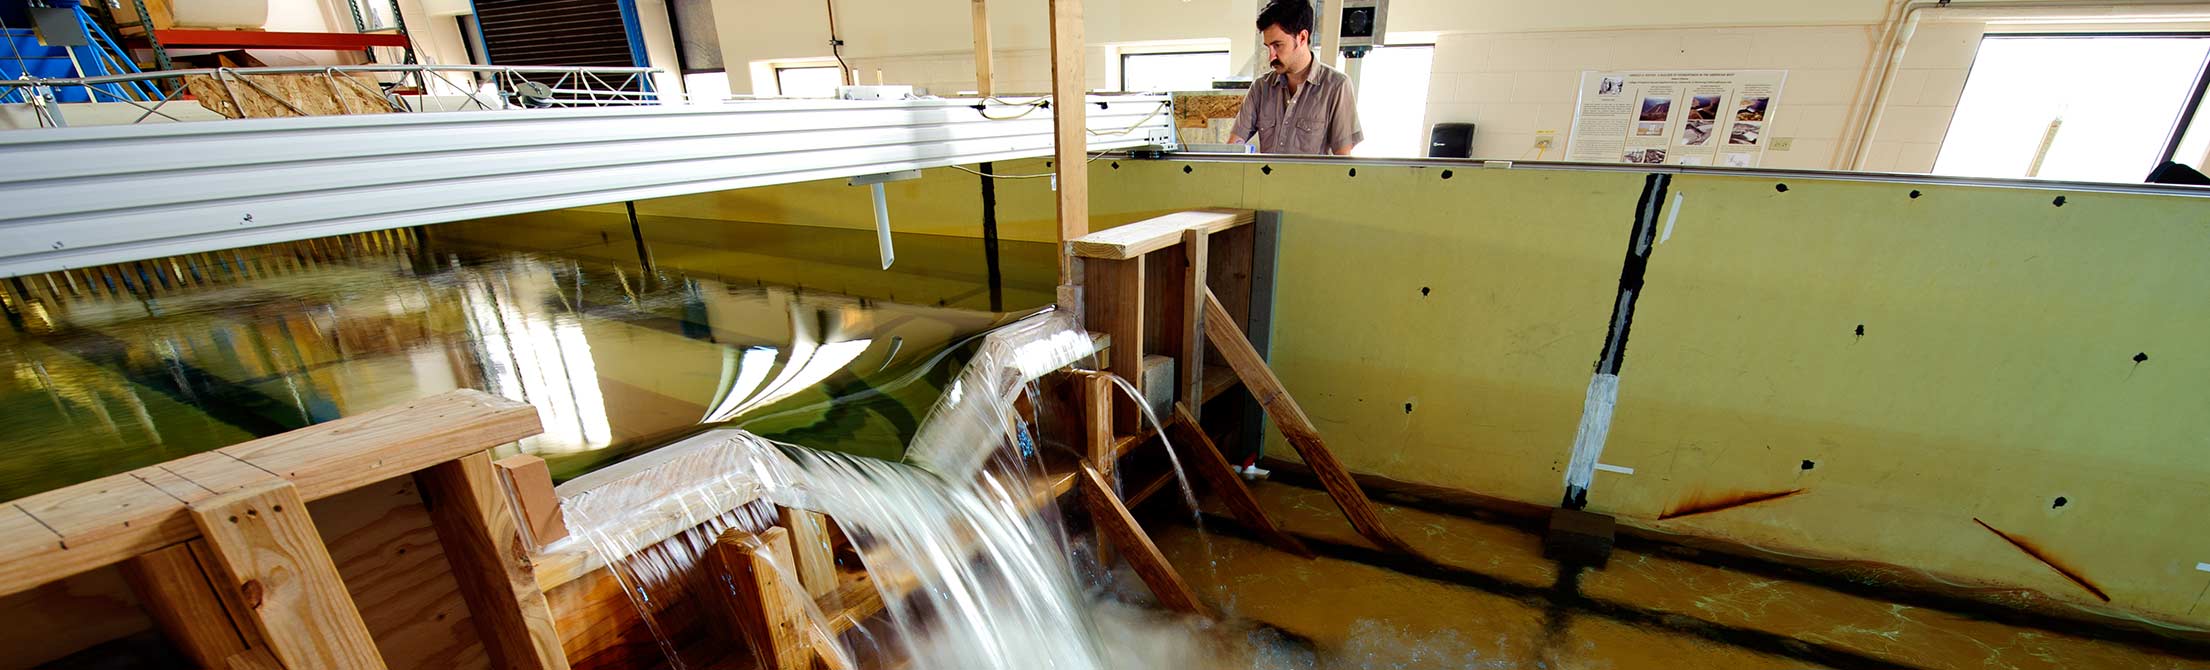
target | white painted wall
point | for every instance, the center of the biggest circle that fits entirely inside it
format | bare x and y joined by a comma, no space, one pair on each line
1515,85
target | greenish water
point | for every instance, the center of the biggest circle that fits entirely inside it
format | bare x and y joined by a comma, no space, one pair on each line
792,332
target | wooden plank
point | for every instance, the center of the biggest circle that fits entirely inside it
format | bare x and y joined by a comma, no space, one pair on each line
177,594
1203,457
484,547
64,617
1296,427
1097,415
1070,131
268,553
529,481
241,620
1115,305
255,659
1190,360
385,545
984,82
760,607
1114,521
1149,235
105,521
1219,379
390,442
809,545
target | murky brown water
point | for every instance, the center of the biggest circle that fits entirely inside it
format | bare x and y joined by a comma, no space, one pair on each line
789,331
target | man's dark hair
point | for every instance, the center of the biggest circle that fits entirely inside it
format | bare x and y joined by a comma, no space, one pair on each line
1291,16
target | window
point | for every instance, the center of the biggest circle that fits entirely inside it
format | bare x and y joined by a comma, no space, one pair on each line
807,82
2097,108
1392,99
706,86
1186,71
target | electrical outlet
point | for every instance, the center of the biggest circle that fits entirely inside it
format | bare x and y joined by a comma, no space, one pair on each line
1784,143
1545,139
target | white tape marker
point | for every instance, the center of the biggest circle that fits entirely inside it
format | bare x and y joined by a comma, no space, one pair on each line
1588,443
1671,217
2205,567
1607,467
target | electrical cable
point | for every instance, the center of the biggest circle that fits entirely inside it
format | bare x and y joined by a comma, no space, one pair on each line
836,46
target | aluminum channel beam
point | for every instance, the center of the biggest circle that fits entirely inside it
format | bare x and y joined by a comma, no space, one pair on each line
77,197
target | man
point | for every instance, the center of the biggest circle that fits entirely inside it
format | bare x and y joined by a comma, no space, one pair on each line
1302,106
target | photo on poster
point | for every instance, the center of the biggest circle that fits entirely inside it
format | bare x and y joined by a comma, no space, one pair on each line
1704,107
1653,156
1632,156
1697,133
1741,160
1753,109
1649,129
1612,86
1656,108
1746,133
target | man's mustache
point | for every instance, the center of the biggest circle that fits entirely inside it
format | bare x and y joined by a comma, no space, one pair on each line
1277,62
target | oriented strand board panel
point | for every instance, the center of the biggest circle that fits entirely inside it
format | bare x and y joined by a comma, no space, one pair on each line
1995,380
1519,270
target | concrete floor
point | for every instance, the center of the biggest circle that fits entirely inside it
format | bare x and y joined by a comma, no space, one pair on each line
1485,598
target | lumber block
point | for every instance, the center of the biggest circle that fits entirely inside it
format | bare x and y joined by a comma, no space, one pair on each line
483,544
270,556
529,481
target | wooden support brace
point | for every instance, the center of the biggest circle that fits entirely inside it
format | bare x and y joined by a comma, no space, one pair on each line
1113,519
1071,139
491,563
255,659
983,58
1203,457
536,504
760,606
1115,304
182,601
270,556
809,544
1191,366
1295,427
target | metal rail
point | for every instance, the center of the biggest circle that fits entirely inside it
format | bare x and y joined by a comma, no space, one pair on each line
96,195
518,86
1761,173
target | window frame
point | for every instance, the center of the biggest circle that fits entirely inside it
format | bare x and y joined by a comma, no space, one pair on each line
1124,56
779,75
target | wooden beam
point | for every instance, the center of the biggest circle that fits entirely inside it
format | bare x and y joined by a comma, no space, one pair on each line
984,84
1153,234
270,555
99,523
1203,458
1097,415
809,544
1070,136
1191,337
254,659
483,544
1115,305
1114,521
178,595
760,608
530,481
1296,427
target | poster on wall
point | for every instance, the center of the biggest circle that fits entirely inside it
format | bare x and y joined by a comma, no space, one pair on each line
1699,117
